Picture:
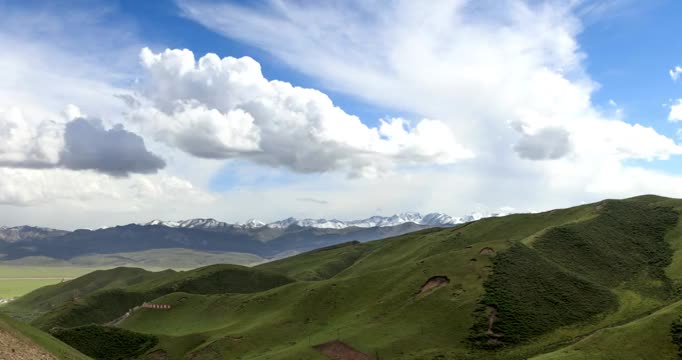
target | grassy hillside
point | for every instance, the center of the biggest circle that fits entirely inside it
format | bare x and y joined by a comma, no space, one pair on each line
644,338
48,298
103,296
568,282
32,336
21,276
103,342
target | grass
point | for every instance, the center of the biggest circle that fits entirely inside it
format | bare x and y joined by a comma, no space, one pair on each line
625,240
364,294
676,334
532,296
48,298
20,277
646,338
105,295
19,271
367,294
16,281
565,277
102,342
319,264
13,288
40,338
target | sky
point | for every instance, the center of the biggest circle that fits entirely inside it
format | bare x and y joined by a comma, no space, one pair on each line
114,112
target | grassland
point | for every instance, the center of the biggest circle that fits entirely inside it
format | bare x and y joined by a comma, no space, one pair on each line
573,283
17,280
19,277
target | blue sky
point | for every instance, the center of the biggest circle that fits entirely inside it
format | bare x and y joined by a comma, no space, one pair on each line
463,106
629,50
629,53
161,22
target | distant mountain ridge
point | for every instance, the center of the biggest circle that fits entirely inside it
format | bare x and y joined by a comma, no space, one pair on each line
431,219
253,238
18,233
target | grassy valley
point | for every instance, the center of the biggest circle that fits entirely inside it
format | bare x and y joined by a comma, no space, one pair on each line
595,281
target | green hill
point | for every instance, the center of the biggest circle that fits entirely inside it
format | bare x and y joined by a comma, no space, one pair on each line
20,339
121,289
581,282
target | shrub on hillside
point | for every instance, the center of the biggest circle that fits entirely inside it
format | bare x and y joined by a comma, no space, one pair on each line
676,333
102,342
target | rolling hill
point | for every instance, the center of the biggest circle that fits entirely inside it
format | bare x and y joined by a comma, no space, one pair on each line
21,341
597,281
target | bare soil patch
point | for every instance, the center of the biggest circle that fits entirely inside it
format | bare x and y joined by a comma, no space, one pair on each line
338,350
159,354
16,348
434,282
487,251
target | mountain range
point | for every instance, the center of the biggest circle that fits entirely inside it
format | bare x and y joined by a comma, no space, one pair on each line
256,241
431,219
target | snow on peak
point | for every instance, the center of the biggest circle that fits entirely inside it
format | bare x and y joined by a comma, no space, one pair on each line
250,224
282,223
431,219
198,223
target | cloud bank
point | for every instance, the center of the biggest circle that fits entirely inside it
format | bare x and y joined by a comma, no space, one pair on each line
224,108
77,144
89,146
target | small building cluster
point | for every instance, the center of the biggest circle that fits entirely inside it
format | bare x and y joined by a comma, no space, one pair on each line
156,306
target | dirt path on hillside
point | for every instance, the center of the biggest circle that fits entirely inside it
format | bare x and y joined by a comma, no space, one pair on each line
337,350
36,278
557,346
16,348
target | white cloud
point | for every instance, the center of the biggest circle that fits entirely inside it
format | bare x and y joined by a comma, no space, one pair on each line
43,186
491,95
30,141
54,59
496,74
225,108
675,72
27,141
676,111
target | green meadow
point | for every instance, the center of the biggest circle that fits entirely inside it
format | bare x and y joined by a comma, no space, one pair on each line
597,281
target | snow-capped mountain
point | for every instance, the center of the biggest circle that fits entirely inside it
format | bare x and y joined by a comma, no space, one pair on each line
198,223
18,233
431,219
251,224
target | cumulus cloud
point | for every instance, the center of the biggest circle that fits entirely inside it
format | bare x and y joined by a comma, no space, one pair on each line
448,70
76,144
548,143
675,72
224,108
676,111
117,152
27,142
